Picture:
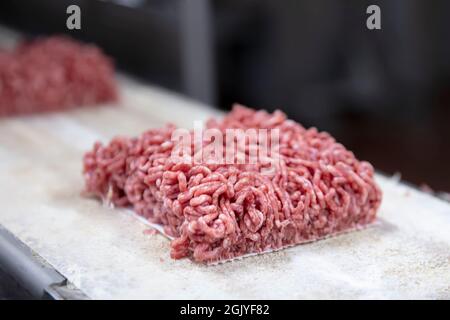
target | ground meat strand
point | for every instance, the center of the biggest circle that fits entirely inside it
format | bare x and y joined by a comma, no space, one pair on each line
51,74
217,212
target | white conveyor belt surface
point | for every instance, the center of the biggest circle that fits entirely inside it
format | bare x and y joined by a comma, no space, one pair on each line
106,254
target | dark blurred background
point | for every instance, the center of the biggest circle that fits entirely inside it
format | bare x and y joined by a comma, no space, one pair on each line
384,93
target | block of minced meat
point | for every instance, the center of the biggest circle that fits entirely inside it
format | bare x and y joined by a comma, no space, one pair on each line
52,74
215,211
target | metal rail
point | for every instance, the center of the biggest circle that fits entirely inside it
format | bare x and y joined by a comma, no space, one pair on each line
32,272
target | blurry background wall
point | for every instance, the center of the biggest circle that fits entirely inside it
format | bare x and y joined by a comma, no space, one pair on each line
384,93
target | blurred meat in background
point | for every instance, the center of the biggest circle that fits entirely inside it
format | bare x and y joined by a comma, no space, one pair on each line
383,93
53,74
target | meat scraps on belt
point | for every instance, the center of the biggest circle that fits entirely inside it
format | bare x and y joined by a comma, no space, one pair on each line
222,211
54,73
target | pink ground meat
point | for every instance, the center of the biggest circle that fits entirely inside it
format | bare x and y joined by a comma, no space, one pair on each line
54,73
217,212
